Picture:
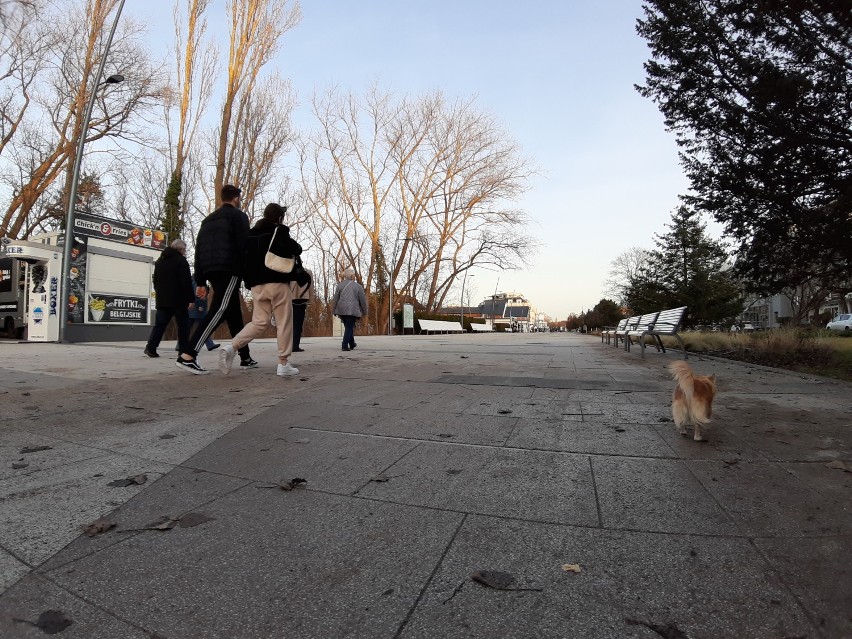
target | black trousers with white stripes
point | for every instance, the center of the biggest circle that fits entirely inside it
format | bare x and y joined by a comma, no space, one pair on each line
225,307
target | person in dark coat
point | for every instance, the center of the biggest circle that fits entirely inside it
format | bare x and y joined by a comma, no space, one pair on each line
197,311
219,256
174,295
303,293
271,291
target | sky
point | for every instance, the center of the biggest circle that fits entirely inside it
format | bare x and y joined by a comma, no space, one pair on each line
558,74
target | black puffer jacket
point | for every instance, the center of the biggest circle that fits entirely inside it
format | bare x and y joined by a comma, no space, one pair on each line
172,280
220,245
260,236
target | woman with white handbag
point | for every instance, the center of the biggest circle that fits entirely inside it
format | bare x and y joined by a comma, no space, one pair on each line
268,272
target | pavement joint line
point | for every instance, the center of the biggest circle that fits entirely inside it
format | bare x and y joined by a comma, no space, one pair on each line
132,533
16,557
710,494
779,576
94,604
595,489
429,579
550,522
511,432
486,446
385,470
36,471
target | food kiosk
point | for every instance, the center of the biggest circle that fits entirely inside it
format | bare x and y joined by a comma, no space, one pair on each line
110,296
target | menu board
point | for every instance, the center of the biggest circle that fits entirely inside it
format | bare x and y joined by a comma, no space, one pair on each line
122,232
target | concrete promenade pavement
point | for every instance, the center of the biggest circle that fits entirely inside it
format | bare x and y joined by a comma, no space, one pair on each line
426,459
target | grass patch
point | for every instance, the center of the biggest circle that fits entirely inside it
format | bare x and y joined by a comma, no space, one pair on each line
801,350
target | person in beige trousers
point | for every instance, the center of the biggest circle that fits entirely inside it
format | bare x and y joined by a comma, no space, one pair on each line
271,291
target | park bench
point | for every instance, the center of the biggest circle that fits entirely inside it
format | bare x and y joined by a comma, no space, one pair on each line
632,322
480,328
609,331
665,324
439,326
642,326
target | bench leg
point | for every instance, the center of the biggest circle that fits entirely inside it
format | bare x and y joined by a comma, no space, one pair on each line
682,346
660,342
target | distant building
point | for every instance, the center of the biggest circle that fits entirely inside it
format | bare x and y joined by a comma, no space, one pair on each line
511,310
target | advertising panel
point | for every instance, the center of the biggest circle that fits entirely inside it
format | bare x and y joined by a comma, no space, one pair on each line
116,231
104,308
77,281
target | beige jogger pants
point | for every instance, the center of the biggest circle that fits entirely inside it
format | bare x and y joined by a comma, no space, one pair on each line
273,299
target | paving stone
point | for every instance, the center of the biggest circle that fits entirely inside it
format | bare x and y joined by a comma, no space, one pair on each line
656,495
300,564
34,595
334,462
704,586
767,501
511,483
590,437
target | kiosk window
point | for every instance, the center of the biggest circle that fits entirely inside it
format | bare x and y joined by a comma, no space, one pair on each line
115,275
6,283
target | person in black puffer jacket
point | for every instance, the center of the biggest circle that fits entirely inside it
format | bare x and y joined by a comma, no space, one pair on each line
174,295
219,254
271,291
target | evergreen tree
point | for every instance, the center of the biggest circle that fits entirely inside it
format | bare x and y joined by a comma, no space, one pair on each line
687,268
172,221
758,95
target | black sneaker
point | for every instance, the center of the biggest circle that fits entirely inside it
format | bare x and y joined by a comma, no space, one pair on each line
298,350
353,346
151,353
248,363
191,366
345,348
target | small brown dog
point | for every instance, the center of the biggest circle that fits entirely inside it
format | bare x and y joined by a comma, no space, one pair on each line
692,401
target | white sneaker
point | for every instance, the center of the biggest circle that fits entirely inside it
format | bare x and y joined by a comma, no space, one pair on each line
285,370
226,359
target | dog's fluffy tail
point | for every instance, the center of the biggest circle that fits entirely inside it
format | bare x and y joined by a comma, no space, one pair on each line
684,376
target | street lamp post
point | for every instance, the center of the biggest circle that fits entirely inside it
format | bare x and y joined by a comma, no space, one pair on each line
75,177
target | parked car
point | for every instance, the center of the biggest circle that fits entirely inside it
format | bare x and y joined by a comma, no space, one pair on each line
841,323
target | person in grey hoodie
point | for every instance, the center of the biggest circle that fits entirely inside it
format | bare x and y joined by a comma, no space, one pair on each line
350,303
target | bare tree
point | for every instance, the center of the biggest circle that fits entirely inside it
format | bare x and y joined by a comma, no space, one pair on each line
623,271
263,133
414,192
43,146
256,27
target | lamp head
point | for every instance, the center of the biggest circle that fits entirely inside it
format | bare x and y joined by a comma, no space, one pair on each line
114,79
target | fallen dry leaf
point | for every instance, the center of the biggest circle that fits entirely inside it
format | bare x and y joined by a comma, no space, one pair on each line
837,464
135,480
293,483
163,523
100,525
168,436
50,622
572,568
494,579
17,466
380,478
190,520
34,449
503,412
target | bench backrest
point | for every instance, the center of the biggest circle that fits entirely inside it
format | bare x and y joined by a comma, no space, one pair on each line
646,321
630,324
669,320
621,324
439,325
